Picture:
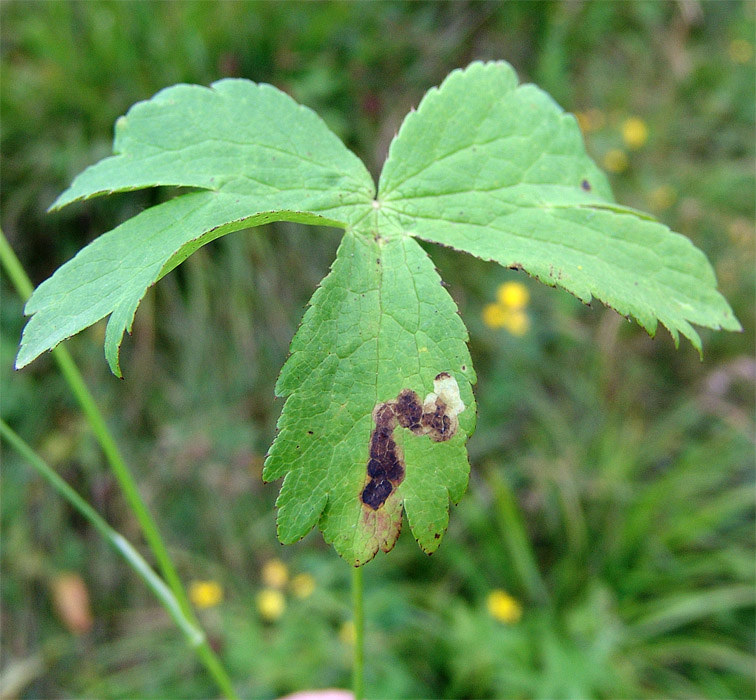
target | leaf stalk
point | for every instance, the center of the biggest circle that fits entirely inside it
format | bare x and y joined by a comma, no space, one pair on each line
358,661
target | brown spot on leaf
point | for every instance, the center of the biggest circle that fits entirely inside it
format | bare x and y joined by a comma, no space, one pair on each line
437,422
376,492
586,185
385,469
436,417
408,409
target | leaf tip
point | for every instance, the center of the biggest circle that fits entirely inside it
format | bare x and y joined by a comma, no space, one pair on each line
113,356
20,362
29,350
58,204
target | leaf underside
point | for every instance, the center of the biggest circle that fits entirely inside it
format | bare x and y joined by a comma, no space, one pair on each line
373,425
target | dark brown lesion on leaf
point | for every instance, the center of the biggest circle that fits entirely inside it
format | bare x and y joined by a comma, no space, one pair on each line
385,469
435,418
408,409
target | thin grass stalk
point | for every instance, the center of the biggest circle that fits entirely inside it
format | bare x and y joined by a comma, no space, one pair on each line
126,481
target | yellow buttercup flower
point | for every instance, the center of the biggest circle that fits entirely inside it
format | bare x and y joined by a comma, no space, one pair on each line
503,607
205,594
270,604
275,574
634,133
494,315
615,160
509,309
303,585
513,295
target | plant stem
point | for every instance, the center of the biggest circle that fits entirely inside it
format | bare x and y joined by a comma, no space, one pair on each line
13,268
358,663
124,477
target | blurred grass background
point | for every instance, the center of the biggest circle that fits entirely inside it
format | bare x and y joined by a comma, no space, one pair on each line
605,548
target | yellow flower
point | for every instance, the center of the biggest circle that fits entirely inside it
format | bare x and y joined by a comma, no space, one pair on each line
205,594
615,160
740,51
513,295
503,607
270,604
275,574
509,310
494,315
634,133
302,585
663,197
346,633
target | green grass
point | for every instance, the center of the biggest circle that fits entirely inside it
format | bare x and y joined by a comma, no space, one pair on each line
612,487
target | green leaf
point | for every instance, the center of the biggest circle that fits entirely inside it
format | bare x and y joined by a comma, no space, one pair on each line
259,156
500,171
378,386
235,137
380,323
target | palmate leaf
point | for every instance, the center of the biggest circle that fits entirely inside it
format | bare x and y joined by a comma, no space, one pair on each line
500,171
258,155
378,388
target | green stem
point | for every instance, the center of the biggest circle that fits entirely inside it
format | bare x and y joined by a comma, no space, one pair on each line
14,270
124,477
358,663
